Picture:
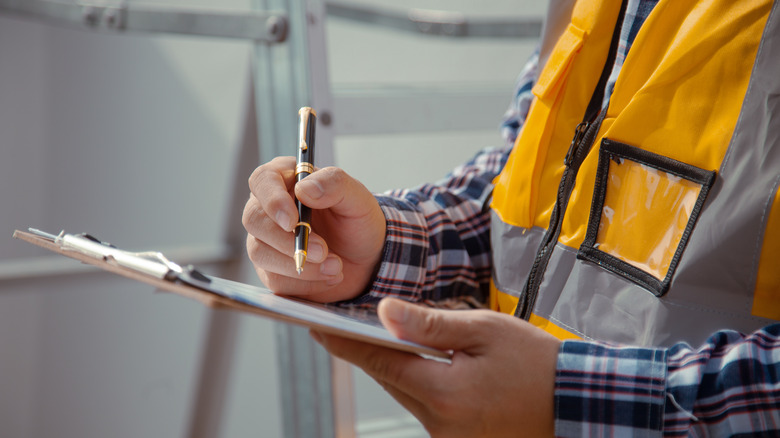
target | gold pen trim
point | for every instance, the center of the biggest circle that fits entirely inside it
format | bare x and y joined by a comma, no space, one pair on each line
304,167
303,224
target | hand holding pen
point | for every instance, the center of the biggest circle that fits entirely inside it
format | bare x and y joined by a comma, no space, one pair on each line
345,241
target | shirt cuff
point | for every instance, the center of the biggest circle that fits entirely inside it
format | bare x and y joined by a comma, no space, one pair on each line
603,390
402,269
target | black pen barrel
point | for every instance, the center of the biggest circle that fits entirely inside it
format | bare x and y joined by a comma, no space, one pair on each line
303,168
301,238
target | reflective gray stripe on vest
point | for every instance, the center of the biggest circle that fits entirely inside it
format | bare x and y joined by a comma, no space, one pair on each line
517,247
595,304
713,286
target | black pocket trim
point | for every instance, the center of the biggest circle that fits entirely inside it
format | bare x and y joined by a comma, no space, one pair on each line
608,151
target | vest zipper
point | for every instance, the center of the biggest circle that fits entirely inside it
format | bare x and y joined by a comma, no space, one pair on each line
584,136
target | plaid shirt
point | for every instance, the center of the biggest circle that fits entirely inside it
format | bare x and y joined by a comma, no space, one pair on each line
730,386
438,251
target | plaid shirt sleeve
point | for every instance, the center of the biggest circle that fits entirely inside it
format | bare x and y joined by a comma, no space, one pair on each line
728,387
437,247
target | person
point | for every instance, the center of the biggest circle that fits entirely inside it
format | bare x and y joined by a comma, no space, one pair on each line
601,258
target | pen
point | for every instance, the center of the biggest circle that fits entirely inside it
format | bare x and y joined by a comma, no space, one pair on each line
304,167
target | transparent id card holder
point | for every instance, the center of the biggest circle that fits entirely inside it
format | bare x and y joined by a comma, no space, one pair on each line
644,209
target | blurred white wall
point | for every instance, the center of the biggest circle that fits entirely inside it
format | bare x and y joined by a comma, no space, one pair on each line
133,138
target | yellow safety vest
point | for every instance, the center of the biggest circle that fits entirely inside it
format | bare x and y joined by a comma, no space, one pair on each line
657,221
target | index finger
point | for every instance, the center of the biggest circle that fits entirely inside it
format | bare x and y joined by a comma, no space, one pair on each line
271,184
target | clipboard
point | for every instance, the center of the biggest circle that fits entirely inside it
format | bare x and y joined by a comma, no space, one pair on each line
155,269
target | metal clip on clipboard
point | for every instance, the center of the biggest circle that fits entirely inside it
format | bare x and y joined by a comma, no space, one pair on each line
151,263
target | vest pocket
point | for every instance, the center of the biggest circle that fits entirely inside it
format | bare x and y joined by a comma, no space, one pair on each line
644,209
549,81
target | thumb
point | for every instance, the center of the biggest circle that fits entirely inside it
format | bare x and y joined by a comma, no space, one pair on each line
333,188
441,329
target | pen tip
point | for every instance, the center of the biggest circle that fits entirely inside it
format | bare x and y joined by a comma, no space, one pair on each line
300,258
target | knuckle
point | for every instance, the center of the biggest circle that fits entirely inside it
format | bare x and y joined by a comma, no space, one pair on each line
253,250
334,175
377,366
484,322
250,215
268,171
256,176
431,323
270,280
279,282
260,254
278,202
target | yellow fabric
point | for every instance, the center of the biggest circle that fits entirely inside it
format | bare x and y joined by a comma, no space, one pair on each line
766,301
551,328
506,303
501,302
540,148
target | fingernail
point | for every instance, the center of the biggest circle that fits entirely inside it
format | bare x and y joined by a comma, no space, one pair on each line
311,188
396,310
331,266
283,220
316,252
